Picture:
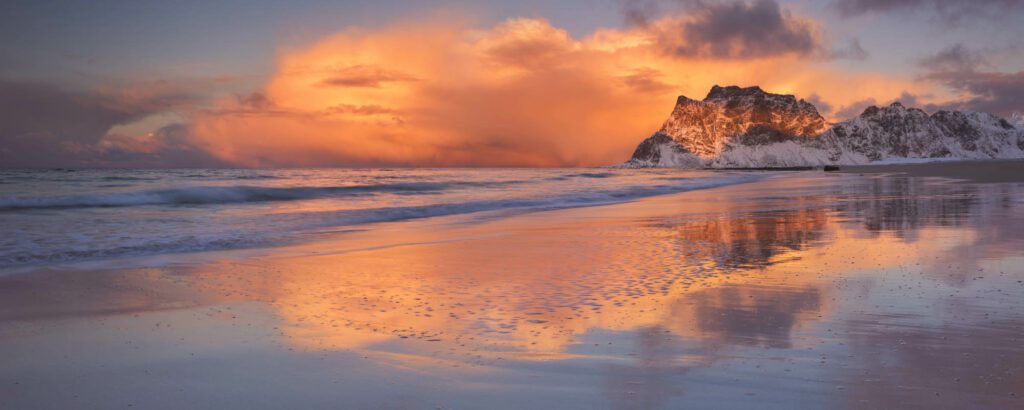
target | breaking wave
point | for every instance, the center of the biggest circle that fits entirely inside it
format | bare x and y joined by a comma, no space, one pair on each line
227,195
117,226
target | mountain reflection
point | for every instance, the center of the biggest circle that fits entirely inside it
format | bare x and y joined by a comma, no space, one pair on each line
868,284
904,205
684,276
753,240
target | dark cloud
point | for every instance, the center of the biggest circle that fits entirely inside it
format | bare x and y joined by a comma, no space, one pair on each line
736,29
256,101
953,58
646,80
254,104
851,51
854,109
966,72
857,7
365,76
907,99
44,125
993,92
823,106
949,11
168,147
260,105
639,12
36,111
359,109
911,100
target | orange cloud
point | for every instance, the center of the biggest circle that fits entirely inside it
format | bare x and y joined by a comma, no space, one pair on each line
522,93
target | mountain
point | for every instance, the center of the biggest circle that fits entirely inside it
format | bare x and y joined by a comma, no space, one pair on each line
1017,119
748,127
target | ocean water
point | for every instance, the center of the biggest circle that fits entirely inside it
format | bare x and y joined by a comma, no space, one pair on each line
53,216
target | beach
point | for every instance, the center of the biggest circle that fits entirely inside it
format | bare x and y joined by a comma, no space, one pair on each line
976,171
868,288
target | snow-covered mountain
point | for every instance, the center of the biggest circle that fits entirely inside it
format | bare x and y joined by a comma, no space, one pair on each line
747,127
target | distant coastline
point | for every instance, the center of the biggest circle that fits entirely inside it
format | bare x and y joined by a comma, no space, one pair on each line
748,128
992,170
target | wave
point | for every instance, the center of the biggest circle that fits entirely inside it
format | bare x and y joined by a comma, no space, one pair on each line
210,195
285,228
594,174
154,246
567,177
230,176
575,200
129,178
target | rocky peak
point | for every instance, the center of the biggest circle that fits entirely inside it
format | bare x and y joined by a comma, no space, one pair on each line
705,127
730,92
733,96
973,117
896,110
1017,120
748,127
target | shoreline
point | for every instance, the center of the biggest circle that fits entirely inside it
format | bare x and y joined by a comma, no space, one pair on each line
769,294
341,219
986,171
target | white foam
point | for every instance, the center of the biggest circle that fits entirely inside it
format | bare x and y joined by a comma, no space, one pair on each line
107,223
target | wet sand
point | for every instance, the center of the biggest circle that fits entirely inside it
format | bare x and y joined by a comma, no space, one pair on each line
976,171
806,290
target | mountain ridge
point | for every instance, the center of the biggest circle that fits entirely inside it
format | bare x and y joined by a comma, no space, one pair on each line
748,127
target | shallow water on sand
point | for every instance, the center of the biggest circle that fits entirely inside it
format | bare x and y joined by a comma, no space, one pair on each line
59,216
795,291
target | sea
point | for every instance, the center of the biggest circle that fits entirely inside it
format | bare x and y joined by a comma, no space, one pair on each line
70,215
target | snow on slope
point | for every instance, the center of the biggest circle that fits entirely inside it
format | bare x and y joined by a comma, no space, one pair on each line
747,127
1017,119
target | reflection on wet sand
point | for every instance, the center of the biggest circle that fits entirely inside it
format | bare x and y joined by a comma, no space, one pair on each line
868,292
528,307
55,296
755,316
903,206
722,283
961,365
755,240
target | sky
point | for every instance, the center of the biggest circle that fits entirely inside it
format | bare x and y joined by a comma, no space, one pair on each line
483,83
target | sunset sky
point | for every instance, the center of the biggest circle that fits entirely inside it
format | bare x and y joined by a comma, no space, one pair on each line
461,83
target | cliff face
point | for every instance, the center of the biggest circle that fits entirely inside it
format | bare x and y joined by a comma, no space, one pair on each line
1017,120
704,127
747,127
899,132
